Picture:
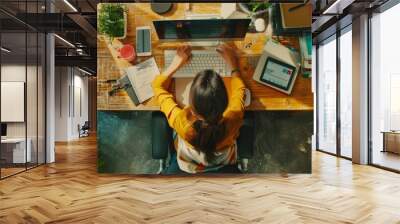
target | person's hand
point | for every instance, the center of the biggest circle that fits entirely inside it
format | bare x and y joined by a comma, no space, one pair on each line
228,53
183,55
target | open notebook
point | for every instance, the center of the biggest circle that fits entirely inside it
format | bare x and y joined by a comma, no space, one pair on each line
138,79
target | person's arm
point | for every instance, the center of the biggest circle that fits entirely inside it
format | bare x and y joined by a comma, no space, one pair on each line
236,101
161,83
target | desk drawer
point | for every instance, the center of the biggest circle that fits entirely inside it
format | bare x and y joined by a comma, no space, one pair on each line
15,152
6,154
20,155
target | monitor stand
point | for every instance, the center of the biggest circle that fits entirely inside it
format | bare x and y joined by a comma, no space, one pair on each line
206,43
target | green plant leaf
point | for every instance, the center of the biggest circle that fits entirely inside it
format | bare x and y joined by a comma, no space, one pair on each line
111,20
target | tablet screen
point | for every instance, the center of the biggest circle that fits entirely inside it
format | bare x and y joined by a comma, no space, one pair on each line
278,74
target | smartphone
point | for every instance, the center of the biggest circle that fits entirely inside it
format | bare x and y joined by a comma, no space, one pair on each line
143,41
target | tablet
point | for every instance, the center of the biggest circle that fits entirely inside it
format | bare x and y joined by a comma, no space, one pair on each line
277,68
278,74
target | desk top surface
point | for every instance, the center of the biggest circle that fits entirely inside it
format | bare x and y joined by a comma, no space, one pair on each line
140,14
391,132
13,140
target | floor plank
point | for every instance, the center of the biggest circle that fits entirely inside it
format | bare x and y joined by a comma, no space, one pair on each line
71,191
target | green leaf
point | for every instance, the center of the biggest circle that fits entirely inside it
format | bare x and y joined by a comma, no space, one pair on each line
111,20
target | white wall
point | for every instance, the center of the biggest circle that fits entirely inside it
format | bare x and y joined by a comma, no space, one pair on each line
34,125
14,73
80,110
71,102
61,103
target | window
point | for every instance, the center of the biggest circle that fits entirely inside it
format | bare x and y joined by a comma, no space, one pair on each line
22,75
334,109
346,74
385,88
326,102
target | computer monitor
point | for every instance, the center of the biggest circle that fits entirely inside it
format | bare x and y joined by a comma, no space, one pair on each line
3,130
201,29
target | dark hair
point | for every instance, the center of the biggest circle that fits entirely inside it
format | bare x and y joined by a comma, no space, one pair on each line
209,99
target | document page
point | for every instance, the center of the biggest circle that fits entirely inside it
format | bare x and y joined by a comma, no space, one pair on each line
141,76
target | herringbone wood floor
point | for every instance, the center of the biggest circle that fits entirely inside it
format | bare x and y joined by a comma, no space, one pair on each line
70,191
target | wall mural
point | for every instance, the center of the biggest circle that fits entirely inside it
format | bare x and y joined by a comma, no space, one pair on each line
188,88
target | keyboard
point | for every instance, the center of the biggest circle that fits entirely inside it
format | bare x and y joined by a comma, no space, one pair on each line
201,60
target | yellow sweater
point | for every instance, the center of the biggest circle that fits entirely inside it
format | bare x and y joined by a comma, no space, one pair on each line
181,119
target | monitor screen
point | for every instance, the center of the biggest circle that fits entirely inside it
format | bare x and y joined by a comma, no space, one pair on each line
278,74
3,129
201,29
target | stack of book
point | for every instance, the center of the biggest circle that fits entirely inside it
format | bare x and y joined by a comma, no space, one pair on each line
305,42
294,19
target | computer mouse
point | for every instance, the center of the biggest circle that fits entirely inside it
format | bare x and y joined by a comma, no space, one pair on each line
247,100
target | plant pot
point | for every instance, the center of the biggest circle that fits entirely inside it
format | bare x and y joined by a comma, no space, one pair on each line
255,15
125,27
245,9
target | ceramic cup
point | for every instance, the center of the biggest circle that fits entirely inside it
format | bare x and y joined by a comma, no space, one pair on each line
127,52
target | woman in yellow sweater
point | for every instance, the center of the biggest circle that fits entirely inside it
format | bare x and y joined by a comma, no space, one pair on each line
206,129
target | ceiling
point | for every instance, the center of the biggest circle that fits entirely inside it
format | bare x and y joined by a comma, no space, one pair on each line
72,20
332,15
75,21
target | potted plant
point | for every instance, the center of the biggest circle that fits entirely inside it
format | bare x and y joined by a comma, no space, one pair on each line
256,11
112,21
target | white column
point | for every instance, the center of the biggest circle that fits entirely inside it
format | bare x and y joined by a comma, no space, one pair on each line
360,90
50,100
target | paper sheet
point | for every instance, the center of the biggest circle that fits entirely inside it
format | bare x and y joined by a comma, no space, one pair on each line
141,76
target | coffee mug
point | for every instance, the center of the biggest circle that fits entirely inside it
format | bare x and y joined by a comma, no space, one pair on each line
127,52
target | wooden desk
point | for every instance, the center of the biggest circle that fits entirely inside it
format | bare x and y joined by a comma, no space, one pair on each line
391,141
140,14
